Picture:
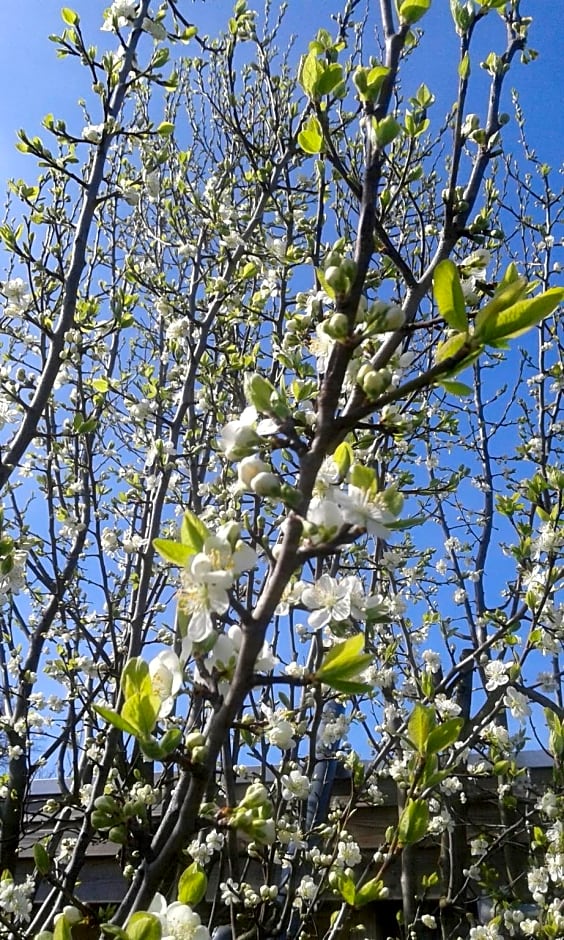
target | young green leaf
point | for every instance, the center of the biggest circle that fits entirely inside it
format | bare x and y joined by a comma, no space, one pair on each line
444,735
193,532
517,319
310,138
331,76
414,822
449,298
192,885
135,678
115,719
143,926
344,662
165,129
460,389
420,725
62,930
310,72
70,17
343,455
41,858
174,552
140,712
411,11
370,891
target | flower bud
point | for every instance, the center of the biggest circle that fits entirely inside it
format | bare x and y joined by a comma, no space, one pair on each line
249,468
265,484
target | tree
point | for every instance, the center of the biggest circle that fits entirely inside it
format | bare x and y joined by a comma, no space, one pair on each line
269,341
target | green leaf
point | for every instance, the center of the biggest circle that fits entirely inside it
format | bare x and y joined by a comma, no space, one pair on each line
135,678
331,77
143,926
414,822
170,741
519,318
464,66
70,17
62,930
411,11
174,552
41,858
371,891
115,719
450,347
310,138
344,661
449,298
363,477
310,72
386,130
511,289
343,455
140,711
349,687
444,735
345,885
165,129
460,389
193,532
192,885
100,385
421,723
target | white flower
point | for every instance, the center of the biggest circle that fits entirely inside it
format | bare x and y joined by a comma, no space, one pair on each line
307,888
265,484
432,661
496,673
16,898
429,921
248,468
93,133
120,14
109,540
326,518
156,30
328,600
206,580
165,671
348,854
178,921
239,439
537,880
367,511
295,786
517,703
279,731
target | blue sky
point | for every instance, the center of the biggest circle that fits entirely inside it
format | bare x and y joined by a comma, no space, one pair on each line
34,82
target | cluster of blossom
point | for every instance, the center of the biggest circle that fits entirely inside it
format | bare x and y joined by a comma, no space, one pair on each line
18,297
203,850
222,658
13,581
123,12
241,893
16,899
178,921
208,577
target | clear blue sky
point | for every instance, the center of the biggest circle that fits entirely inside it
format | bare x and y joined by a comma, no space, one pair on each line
34,82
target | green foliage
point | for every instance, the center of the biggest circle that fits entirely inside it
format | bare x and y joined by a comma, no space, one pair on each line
192,885
413,822
449,298
343,663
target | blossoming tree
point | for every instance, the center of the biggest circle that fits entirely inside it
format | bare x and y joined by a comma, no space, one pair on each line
282,485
